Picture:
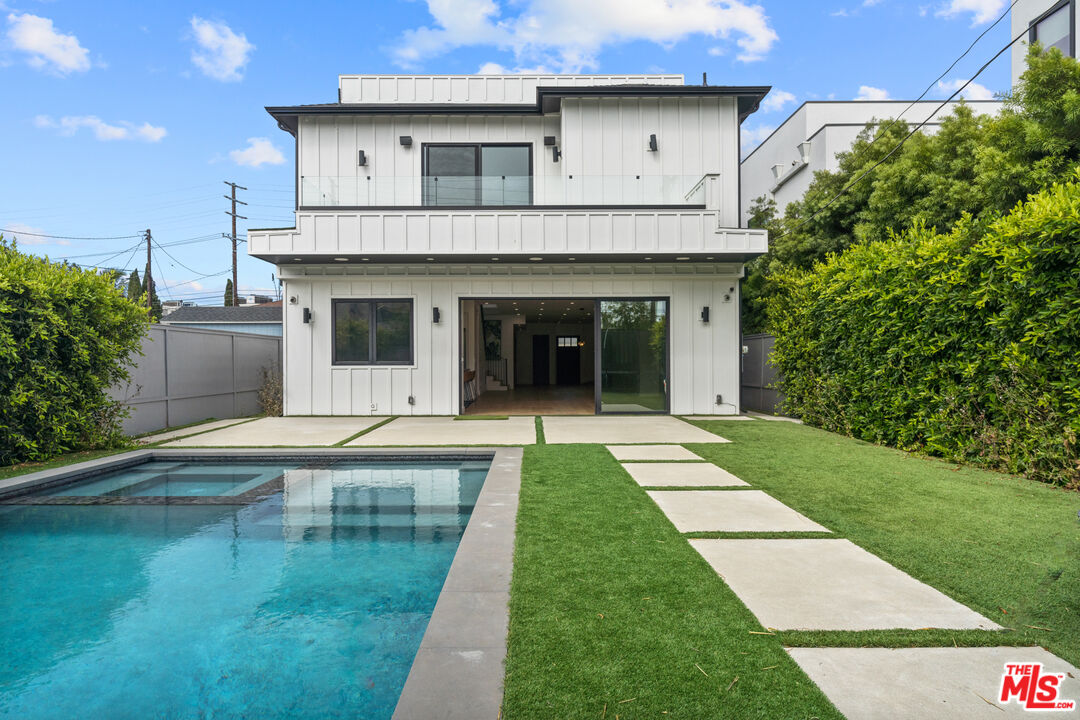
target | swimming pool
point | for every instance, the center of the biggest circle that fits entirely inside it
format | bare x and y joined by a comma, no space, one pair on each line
178,589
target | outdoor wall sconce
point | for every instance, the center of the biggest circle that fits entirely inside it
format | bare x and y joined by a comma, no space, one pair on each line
307,315
581,343
705,314
362,160
405,140
436,316
549,139
555,154
653,147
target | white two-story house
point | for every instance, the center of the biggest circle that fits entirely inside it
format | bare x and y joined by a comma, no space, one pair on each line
514,244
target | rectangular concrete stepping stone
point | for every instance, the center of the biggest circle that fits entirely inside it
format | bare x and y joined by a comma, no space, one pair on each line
285,431
190,430
830,585
415,431
681,474
652,452
730,511
920,683
624,430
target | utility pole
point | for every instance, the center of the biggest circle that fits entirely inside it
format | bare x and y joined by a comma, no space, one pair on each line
149,303
232,197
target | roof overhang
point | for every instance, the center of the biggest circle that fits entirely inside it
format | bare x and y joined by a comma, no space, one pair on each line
548,100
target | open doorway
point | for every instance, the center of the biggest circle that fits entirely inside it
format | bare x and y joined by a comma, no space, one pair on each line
528,356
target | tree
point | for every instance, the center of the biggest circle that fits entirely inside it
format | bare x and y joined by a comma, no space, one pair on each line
134,287
149,286
228,292
66,336
975,165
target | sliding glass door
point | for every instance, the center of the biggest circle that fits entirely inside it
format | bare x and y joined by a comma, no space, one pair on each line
632,339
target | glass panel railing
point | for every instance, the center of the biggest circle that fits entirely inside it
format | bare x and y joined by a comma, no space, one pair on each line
501,191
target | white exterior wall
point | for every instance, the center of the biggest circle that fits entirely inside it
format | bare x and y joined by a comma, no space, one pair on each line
704,357
604,144
831,128
485,89
1022,14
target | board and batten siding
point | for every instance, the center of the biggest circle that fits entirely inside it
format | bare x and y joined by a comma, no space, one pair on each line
493,89
604,143
704,357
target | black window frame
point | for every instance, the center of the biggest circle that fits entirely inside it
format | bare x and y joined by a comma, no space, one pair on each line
1050,11
425,147
575,339
372,330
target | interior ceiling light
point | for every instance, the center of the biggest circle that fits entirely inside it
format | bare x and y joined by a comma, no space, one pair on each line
536,259
341,259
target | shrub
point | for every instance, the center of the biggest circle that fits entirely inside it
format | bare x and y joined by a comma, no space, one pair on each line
270,390
66,336
964,345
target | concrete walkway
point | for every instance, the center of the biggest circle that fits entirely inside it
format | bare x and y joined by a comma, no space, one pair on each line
833,585
190,430
681,474
416,431
282,431
624,430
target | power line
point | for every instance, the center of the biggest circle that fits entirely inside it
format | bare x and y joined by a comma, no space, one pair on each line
904,140
930,87
173,257
17,233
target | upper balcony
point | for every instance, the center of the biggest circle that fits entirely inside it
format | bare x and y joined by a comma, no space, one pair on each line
384,231
498,191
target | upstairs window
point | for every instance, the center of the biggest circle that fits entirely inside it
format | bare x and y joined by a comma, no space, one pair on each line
474,175
373,332
1055,28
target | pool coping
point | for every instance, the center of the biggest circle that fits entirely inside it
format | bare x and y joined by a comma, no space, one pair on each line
458,670
81,471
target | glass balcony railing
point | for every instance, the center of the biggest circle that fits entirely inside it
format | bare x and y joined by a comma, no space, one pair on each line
500,191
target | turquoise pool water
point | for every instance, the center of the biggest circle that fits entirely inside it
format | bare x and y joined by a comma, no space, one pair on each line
306,597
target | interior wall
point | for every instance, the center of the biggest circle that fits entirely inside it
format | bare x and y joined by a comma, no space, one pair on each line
523,350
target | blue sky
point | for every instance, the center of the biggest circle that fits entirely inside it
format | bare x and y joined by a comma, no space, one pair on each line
120,116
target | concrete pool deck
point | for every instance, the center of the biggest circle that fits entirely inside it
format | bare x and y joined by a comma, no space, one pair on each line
623,430
281,432
517,430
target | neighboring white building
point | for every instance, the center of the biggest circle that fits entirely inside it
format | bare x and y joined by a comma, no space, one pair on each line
575,238
783,165
1052,22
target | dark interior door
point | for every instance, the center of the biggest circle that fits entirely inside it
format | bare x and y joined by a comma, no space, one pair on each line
541,364
568,365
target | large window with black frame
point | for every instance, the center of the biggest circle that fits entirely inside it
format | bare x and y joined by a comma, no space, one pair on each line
473,175
373,332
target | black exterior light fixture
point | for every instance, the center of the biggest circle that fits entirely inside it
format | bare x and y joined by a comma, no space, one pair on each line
653,147
361,159
436,316
405,140
549,141
307,315
705,314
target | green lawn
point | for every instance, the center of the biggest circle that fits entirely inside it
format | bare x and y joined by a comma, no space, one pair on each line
1005,546
613,614
10,471
611,608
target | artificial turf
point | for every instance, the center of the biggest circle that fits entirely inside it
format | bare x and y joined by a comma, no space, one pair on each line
614,615
1003,545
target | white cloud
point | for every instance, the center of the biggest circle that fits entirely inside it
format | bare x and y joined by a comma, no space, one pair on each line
222,54
150,133
716,51
260,151
569,34
974,91
982,11
47,48
776,100
869,92
71,124
752,137
18,230
871,3
494,68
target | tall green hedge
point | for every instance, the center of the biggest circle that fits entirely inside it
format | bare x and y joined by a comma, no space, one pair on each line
964,345
66,335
